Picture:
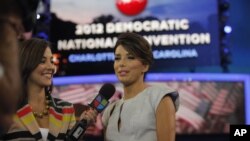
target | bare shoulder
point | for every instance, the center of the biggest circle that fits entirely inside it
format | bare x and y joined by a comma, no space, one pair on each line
166,104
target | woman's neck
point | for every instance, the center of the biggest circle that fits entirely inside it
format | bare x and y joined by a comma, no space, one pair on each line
36,95
131,91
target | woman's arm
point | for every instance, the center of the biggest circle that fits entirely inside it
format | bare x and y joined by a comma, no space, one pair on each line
165,120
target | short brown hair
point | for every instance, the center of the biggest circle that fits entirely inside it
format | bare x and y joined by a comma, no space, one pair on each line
136,45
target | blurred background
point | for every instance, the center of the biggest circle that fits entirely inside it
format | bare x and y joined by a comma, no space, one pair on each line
201,48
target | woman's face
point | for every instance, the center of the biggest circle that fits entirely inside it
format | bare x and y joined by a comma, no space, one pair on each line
43,73
128,68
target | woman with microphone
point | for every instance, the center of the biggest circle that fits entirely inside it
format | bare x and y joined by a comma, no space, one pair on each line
40,116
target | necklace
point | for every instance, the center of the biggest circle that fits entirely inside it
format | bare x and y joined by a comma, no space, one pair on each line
45,110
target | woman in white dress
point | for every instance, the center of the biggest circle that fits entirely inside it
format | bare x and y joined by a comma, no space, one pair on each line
145,113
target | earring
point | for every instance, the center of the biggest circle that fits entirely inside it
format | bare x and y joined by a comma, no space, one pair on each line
54,70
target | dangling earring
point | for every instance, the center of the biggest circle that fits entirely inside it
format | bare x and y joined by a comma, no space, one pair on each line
54,70
48,90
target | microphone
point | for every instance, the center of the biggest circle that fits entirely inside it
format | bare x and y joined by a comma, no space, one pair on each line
99,103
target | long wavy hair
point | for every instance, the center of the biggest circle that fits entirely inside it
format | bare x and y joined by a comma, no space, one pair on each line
31,53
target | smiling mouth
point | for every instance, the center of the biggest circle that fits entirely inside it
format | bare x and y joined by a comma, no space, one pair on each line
48,75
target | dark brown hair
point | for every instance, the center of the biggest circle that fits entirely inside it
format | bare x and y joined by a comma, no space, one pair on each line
136,45
31,53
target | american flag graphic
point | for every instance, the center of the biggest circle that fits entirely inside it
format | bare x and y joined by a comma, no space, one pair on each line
190,116
209,91
77,93
223,104
189,100
205,107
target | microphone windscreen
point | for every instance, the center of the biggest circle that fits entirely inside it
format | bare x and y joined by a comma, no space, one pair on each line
107,90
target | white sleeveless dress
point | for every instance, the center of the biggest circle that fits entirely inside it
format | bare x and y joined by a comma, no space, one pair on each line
136,115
